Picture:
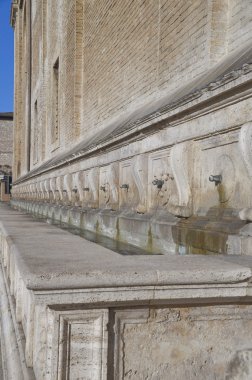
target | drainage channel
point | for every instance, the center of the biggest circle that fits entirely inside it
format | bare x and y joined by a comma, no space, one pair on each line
117,246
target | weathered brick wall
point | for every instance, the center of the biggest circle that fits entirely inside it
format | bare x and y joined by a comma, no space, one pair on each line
18,99
240,23
131,52
6,138
24,117
114,55
218,15
38,106
135,49
64,42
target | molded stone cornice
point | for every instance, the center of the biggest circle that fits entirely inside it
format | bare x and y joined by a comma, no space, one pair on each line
13,13
15,5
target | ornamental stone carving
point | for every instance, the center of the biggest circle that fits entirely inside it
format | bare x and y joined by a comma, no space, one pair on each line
181,162
67,187
160,183
128,194
59,189
78,188
42,190
53,188
245,144
47,189
108,195
140,175
91,188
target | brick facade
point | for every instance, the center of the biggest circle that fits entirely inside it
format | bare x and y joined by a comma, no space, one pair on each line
6,138
114,56
6,150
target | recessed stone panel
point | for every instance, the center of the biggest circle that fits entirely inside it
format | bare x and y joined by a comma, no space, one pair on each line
210,342
221,156
127,189
82,345
108,190
91,188
159,173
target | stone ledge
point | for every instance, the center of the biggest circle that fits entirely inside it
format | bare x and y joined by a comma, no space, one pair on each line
50,258
53,281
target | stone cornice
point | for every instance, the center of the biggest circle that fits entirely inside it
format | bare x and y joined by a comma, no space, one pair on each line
13,13
15,5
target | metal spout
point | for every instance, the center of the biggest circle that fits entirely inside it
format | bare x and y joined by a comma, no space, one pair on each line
158,182
217,179
125,186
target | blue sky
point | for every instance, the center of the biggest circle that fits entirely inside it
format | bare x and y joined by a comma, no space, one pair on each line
6,58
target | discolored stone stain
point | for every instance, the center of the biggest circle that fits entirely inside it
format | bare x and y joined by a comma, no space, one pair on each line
82,219
149,247
207,234
223,199
117,230
97,227
240,366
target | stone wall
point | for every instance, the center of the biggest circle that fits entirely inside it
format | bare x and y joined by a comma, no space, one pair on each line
240,23
71,307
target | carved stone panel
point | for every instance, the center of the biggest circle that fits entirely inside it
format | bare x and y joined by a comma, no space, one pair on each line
91,188
108,190
182,168
160,180
78,184
226,168
81,349
140,176
59,189
46,189
133,180
245,144
126,185
206,342
42,190
67,188
53,189
228,157
124,318
240,367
